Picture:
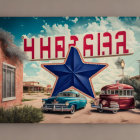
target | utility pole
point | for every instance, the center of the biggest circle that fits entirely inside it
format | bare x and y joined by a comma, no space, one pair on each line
122,66
139,66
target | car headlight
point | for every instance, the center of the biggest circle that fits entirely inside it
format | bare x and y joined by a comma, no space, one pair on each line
43,102
66,103
104,102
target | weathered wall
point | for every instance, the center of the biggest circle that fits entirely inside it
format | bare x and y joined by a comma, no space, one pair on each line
18,82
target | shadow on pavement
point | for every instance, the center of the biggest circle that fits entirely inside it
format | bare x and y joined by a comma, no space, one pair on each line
57,113
60,113
106,111
134,111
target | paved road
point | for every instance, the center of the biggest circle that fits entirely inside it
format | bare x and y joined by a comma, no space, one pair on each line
87,115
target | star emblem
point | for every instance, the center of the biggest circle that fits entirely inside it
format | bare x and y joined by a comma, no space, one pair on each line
74,73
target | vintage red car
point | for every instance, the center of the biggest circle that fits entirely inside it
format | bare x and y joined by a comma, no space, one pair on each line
115,97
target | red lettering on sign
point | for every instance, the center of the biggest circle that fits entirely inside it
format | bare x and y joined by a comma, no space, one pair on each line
45,48
88,47
121,44
108,44
27,48
98,43
74,38
59,47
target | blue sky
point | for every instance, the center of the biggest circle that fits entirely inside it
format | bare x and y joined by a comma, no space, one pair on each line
46,26
25,25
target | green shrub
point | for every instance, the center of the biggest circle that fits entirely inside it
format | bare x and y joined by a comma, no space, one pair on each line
134,83
26,114
24,100
137,103
97,93
48,94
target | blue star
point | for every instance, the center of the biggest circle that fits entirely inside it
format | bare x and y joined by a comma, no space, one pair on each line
74,73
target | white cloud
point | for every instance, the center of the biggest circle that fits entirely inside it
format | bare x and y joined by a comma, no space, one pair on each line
24,74
56,29
42,76
110,24
97,18
34,65
43,20
42,31
35,18
75,20
111,73
66,17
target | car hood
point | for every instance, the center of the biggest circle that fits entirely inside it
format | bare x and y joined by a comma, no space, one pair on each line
59,99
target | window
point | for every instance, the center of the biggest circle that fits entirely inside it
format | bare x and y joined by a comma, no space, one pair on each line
116,92
66,94
121,93
112,91
109,92
103,92
129,92
125,92
77,95
8,90
132,92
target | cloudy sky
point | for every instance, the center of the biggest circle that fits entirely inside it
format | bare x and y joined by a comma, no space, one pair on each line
51,26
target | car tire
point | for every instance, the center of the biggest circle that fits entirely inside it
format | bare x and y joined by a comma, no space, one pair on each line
72,109
114,111
99,109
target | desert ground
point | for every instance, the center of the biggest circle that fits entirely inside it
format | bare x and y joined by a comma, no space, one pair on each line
86,115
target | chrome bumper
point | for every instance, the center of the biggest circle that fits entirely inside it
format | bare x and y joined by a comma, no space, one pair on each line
105,108
55,107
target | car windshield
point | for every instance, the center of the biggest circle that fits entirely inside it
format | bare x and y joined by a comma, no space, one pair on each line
66,94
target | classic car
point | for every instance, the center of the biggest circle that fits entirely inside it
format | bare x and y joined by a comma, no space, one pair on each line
64,101
115,97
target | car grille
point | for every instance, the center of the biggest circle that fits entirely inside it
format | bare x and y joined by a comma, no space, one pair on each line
56,106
